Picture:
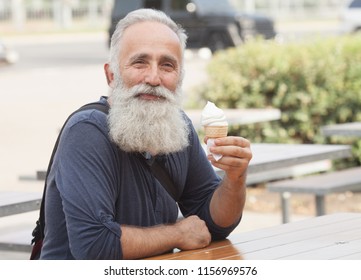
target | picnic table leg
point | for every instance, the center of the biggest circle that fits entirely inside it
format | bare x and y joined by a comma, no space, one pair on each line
320,205
285,203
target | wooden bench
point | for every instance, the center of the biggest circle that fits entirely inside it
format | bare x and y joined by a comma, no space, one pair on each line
320,185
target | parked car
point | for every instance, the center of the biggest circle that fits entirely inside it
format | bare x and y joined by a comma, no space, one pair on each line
209,23
351,17
7,55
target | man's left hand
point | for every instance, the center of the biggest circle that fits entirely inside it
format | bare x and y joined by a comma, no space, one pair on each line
236,155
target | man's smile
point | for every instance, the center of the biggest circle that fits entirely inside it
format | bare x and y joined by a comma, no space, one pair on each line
149,96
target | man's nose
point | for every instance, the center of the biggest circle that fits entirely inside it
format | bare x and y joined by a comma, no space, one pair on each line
152,76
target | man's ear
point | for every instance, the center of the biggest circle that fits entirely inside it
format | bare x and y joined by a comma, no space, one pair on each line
109,75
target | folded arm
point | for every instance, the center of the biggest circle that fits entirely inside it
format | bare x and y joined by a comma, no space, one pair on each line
139,242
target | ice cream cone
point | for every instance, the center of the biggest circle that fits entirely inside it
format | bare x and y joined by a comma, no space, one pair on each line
215,131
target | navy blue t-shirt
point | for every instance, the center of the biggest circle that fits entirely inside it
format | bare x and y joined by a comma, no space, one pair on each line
94,187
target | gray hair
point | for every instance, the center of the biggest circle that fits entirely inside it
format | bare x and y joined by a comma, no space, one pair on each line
137,16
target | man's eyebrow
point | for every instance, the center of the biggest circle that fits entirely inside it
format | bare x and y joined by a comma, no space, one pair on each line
170,58
141,56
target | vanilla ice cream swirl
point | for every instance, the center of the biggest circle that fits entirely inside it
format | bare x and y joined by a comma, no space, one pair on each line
213,116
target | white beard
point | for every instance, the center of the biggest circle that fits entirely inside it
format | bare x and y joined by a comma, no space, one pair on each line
138,125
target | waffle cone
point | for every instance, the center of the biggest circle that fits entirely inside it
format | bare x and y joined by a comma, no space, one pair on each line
216,131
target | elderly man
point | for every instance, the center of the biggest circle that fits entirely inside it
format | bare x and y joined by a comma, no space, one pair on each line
102,202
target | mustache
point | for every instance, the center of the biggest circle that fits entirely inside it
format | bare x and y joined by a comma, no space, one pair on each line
159,91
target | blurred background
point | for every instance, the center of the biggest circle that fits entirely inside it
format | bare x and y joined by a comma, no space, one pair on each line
57,49
52,15
51,62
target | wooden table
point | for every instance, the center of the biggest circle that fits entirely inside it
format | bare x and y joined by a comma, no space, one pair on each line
12,203
344,129
239,116
334,236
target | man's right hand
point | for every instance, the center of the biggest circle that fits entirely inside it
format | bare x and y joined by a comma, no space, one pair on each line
194,233
186,234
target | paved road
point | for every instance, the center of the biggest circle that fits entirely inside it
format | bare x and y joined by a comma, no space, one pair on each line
56,51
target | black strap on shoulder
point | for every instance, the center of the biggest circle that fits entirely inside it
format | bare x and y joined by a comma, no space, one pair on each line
159,171
155,167
38,232
163,177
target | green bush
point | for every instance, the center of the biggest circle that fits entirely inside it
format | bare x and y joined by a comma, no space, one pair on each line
313,83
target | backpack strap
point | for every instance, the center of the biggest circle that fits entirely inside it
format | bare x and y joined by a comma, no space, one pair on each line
159,172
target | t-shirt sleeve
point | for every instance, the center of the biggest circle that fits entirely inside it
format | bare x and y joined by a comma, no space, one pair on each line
86,182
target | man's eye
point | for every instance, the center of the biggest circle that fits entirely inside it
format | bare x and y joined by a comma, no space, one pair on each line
138,62
168,66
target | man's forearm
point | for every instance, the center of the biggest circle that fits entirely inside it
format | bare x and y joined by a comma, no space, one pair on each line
186,234
227,203
143,242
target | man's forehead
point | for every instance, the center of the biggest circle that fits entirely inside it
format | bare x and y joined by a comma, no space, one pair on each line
145,38
150,29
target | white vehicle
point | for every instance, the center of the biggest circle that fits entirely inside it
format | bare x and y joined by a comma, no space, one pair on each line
351,17
7,56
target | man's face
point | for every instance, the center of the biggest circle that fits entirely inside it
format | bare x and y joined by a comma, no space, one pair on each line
145,96
150,54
